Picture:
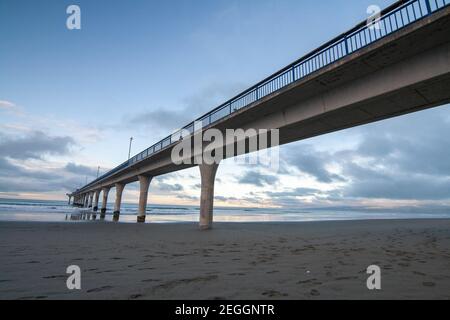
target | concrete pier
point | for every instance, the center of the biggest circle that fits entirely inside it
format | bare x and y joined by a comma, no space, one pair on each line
96,198
208,175
85,200
105,192
144,182
405,71
118,202
91,196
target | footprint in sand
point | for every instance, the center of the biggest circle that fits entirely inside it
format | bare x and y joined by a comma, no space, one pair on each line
174,283
346,278
99,289
55,277
314,292
428,284
310,281
150,280
273,271
274,293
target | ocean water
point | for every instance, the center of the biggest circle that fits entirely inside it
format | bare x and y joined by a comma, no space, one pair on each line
57,211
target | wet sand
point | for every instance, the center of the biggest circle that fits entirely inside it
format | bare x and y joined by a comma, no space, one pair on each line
305,260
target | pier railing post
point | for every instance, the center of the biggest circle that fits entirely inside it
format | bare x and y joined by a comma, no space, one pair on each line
144,182
208,175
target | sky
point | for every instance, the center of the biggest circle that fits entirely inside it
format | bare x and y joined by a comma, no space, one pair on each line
71,99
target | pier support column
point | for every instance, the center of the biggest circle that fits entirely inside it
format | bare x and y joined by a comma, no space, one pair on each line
95,204
96,198
104,202
144,182
70,198
91,198
86,200
119,190
208,175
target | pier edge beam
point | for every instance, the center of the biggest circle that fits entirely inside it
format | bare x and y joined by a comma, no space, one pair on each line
208,175
104,202
144,182
118,202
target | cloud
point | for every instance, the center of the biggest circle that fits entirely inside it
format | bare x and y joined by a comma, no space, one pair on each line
225,199
15,178
257,179
34,146
161,186
297,192
311,161
6,105
81,170
167,121
24,167
405,158
159,119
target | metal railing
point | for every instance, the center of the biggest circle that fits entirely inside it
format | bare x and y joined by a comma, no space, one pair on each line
392,19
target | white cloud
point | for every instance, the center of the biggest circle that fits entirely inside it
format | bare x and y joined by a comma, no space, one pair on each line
6,104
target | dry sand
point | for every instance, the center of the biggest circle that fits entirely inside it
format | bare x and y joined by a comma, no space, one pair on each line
310,260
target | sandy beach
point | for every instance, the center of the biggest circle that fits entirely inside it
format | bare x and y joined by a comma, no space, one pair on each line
307,260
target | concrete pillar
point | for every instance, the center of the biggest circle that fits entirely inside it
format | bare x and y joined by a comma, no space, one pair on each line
86,200
208,175
104,202
70,198
95,204
96,198
144,182
119,190
91,198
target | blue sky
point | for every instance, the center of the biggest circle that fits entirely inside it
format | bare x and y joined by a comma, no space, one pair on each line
70,100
